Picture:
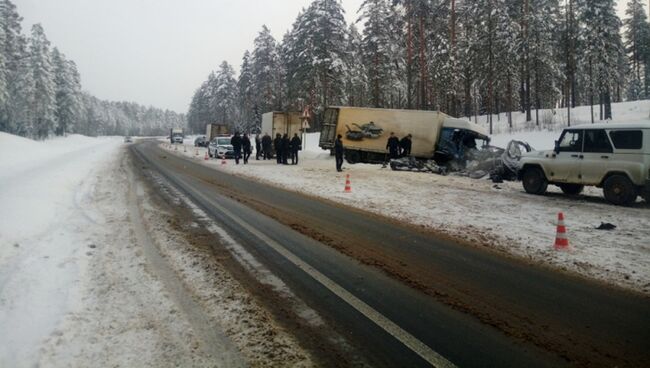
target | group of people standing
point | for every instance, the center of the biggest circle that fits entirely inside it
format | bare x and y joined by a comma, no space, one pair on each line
285,148
399,148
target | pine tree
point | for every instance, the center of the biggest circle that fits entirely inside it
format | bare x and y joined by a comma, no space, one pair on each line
376,50
637,47
245,91
265,63
43,98
356,81
224,96
600,50
68,90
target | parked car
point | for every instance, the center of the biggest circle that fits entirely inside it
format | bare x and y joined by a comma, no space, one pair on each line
128,139
615,157
220,146
200,142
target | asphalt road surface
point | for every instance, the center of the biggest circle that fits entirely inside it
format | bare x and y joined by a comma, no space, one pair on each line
407,297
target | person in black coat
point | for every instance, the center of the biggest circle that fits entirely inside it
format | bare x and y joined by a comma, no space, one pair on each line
296,145
393,146
236,146
267,142
258,146
286,149
338,153
246,145
405,144
277,144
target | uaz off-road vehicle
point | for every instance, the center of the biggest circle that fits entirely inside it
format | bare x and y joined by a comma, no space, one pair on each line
615,157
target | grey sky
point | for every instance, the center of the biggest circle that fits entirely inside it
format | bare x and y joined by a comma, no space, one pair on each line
157,52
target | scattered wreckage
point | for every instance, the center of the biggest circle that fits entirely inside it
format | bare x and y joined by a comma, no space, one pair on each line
497,163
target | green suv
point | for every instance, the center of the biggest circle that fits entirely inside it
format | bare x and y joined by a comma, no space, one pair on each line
615,157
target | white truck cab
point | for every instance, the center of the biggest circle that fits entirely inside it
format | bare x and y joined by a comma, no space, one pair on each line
615,157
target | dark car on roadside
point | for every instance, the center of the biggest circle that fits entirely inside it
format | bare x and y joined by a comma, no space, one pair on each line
200,142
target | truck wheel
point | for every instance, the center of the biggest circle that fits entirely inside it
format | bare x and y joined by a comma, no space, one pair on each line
534,181
572,189
619,190
353,157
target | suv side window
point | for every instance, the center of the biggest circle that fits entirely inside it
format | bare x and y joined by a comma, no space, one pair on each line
571,141
596,141
627,139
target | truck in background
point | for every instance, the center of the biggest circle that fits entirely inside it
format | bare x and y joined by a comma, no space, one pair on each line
281,122
214,130
176,135
365,132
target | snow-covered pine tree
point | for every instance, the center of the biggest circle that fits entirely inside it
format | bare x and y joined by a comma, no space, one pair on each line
600,48
317,47
43,98
356,82
224,96
68,91
545,75
245,91
265,62
637,47
376,50
492,46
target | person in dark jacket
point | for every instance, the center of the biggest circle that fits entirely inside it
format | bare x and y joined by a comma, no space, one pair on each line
338,153
277,144
236,146
267,142
296,145
405,144
258,146
393,146
246,145
286,149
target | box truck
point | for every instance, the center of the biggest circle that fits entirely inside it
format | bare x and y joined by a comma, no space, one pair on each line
176,135
365,132
214,130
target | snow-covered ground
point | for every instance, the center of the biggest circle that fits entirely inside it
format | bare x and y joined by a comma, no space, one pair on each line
501,217
92,275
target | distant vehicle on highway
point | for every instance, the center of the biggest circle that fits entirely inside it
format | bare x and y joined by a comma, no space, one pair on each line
615,157
201,142
128,139
176,136
221,147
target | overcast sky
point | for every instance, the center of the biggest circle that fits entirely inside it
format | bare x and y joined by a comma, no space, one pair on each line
157,52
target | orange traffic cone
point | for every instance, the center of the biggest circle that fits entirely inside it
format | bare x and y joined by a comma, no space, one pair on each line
348,187
197,152
561,240
206,156
223,159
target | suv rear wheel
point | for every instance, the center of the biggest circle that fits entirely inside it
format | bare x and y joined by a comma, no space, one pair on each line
534,181
571,189
619,190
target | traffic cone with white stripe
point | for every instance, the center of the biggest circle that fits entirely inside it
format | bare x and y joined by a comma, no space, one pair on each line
206,156
348,186
223,159
561,240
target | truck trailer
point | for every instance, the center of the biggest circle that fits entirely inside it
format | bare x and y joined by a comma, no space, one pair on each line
214,130
281,123
365,132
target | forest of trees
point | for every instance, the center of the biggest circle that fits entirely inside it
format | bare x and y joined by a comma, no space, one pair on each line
41,94
463,57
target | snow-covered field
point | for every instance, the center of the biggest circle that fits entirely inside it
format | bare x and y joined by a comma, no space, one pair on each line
92,275
501,217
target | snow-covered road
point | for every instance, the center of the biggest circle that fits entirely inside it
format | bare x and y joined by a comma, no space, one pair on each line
91,274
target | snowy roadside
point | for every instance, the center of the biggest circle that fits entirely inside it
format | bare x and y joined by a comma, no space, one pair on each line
501,217
78,287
